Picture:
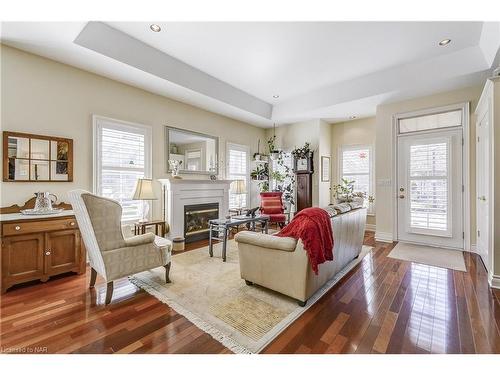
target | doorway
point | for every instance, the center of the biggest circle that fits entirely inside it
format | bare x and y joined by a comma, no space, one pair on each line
429,179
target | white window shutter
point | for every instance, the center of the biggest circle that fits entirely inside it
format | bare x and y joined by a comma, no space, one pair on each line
122,156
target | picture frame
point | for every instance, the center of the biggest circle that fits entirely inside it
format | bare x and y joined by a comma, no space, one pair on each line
325,169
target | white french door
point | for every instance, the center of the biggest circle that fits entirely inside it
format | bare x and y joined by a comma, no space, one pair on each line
483,155
430,188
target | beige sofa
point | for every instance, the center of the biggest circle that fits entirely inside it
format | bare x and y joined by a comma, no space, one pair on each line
281,263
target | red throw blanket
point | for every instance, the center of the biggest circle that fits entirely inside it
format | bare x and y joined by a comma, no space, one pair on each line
313,227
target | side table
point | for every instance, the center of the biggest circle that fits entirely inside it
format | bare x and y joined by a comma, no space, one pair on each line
160,227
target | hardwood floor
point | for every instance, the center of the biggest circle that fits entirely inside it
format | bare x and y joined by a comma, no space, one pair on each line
382,306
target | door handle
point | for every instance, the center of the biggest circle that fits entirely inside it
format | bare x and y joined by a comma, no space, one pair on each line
482,198
402,196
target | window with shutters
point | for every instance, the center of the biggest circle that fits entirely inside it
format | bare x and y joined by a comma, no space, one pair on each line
238,169
122,155
356,164
429,186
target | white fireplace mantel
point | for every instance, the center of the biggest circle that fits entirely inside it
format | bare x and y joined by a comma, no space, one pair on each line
183,192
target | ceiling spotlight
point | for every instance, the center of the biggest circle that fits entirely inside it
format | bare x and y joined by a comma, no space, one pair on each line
444,42
352,117
276,96
156,28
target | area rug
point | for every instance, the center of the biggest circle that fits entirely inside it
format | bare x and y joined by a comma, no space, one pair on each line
211,294
431,256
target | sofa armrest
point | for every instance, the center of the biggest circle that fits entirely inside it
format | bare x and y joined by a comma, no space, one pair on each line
266,240
142,239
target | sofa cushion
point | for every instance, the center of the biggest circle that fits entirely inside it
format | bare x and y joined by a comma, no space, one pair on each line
331,210
266,240
342,207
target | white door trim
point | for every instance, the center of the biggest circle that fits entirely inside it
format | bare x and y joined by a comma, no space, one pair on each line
464,107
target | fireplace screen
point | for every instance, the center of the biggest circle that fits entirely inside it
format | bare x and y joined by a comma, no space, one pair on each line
196,218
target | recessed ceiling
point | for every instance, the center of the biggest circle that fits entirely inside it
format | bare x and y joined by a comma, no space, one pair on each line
323,70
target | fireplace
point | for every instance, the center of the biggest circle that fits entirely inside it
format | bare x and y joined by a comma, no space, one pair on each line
196,218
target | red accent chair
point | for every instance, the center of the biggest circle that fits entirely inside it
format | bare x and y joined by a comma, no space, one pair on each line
272,205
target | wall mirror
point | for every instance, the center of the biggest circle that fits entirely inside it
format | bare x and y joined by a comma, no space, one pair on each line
196,152
36,158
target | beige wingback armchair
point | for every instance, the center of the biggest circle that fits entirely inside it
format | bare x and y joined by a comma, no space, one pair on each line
111,255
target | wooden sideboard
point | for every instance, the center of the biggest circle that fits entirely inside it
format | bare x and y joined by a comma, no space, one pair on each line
38,247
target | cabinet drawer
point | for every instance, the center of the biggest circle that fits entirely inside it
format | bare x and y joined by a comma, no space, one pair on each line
11,229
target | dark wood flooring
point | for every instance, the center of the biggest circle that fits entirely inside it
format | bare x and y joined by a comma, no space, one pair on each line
382,306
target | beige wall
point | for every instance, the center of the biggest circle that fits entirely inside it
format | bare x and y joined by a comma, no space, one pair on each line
325,149
46,97
384,157
357,132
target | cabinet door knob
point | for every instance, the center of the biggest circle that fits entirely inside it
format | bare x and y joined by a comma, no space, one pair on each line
47,252
72,223
17,227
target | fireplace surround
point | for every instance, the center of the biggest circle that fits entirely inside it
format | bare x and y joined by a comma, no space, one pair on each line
179,193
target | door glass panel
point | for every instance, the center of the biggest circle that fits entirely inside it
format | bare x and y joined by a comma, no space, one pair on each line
428,187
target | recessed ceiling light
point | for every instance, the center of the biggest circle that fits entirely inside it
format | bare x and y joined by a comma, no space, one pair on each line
444,42
352,117
156,28
276,96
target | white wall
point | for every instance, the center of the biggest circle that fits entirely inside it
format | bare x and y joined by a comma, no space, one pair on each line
356,132
46,97
384,158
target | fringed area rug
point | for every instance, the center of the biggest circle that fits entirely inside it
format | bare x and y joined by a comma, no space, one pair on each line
211,294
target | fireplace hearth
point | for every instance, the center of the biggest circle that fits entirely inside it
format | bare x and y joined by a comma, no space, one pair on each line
196,218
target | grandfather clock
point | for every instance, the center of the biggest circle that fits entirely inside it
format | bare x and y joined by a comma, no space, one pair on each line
304,170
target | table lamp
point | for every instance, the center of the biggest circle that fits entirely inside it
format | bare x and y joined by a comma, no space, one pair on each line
239,188
144,192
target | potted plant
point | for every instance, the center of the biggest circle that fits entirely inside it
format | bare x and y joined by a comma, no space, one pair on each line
261,172
302,152
344,192
264,186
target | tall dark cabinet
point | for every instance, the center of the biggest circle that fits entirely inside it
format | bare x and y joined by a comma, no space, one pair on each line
304,170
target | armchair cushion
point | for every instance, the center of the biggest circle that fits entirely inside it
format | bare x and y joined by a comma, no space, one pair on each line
126,261
141,239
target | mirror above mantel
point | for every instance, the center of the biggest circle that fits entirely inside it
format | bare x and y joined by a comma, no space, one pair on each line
197,153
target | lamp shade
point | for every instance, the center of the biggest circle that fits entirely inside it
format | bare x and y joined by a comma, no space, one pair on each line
239,187
144,189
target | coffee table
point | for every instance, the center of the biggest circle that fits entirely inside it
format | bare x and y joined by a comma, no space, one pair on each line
222,226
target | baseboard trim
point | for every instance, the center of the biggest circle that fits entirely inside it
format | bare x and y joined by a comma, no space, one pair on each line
370,227
383,237
495,281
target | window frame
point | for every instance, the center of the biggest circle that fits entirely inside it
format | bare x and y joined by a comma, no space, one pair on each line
239,147
100,122
371,210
